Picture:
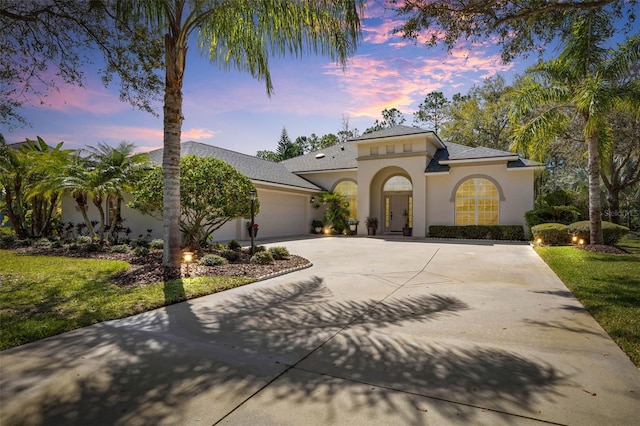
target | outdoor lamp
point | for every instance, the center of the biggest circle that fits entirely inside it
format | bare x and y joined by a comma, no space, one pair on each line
581,242
188,258
574,239
312,200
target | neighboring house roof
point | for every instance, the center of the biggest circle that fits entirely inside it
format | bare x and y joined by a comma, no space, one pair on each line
336,157
254,168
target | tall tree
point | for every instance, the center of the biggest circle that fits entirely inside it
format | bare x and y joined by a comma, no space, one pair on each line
432,111
287,149
41,39
346,132
519,26
242,34
584,78
390,118
481,118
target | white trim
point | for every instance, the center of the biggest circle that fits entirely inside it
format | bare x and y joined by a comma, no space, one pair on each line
525,168
480,160
282,186
307,172
437,173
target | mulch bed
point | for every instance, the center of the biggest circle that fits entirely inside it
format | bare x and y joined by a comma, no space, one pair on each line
149,269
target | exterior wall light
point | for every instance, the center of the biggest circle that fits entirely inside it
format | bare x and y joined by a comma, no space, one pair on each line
312,200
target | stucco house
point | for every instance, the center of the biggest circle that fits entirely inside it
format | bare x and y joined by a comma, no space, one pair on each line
400,175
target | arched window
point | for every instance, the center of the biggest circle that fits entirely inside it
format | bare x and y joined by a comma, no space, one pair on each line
477,202
397,183
350,191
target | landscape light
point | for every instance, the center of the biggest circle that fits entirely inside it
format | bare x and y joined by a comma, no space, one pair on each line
188,258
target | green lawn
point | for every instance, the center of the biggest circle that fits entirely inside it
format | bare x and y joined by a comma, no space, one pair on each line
41,296
608,285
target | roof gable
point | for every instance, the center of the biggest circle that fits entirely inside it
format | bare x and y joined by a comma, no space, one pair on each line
335,157
394,131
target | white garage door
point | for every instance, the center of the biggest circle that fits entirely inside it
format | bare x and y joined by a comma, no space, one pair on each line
282,214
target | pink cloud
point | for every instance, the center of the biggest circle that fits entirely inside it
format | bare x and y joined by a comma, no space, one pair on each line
198,134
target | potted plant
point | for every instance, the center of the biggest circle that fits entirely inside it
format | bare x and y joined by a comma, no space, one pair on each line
353,224
255,229
406,231
372,225
317,226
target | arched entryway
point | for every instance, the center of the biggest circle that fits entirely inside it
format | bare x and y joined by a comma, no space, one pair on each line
397,198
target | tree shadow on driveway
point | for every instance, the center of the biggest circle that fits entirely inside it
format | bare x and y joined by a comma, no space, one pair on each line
197,361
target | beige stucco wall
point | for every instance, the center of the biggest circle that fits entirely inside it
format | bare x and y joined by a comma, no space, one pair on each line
282,213
517,189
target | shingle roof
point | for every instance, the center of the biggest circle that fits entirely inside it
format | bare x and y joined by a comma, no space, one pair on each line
336,157
454,151
391,132
255,168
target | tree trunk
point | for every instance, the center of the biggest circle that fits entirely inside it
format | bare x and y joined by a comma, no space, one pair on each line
174,62
613,198
595,215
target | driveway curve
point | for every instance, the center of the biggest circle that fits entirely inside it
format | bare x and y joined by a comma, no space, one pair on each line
378,332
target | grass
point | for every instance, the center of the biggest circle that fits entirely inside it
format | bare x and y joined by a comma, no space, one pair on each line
608,285
41,296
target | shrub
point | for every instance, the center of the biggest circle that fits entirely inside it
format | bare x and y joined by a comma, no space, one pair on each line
611,232
92,248
478,232
213,260
140,242
262,258
553,214
279,253
158,243
233,245
42,242
120,248
553,234
83,239
74,247
258,249
141,251
7,240
230,255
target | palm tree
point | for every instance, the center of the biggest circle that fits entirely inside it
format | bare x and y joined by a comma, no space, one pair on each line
239,33
121,167
583,80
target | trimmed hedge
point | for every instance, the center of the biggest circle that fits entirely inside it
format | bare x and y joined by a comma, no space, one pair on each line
262,258
553,214
478,232
552,234
611,232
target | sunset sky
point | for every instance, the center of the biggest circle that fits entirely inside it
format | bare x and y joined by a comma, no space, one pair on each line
230,110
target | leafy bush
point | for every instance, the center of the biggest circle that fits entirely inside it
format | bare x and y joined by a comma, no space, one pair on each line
213,260
553,234
6,230
230,255
140,242
611,232
120,248
158,243
258,249
73,247
42,242
7,240
262,258
552,214
141,251
233,245
92,248
279,253
478,232
83,239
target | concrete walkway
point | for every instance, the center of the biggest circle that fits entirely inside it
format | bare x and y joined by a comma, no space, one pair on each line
377,332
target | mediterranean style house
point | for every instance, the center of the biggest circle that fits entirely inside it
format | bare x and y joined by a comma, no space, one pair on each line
400,175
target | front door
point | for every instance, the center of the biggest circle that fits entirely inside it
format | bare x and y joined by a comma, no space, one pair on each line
396,208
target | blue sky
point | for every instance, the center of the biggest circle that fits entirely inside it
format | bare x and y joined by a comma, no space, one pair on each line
231,110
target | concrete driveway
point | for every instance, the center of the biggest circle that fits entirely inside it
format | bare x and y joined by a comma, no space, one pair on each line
377,332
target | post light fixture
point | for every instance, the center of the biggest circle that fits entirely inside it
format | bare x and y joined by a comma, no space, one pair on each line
187,256
252,197
581,242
